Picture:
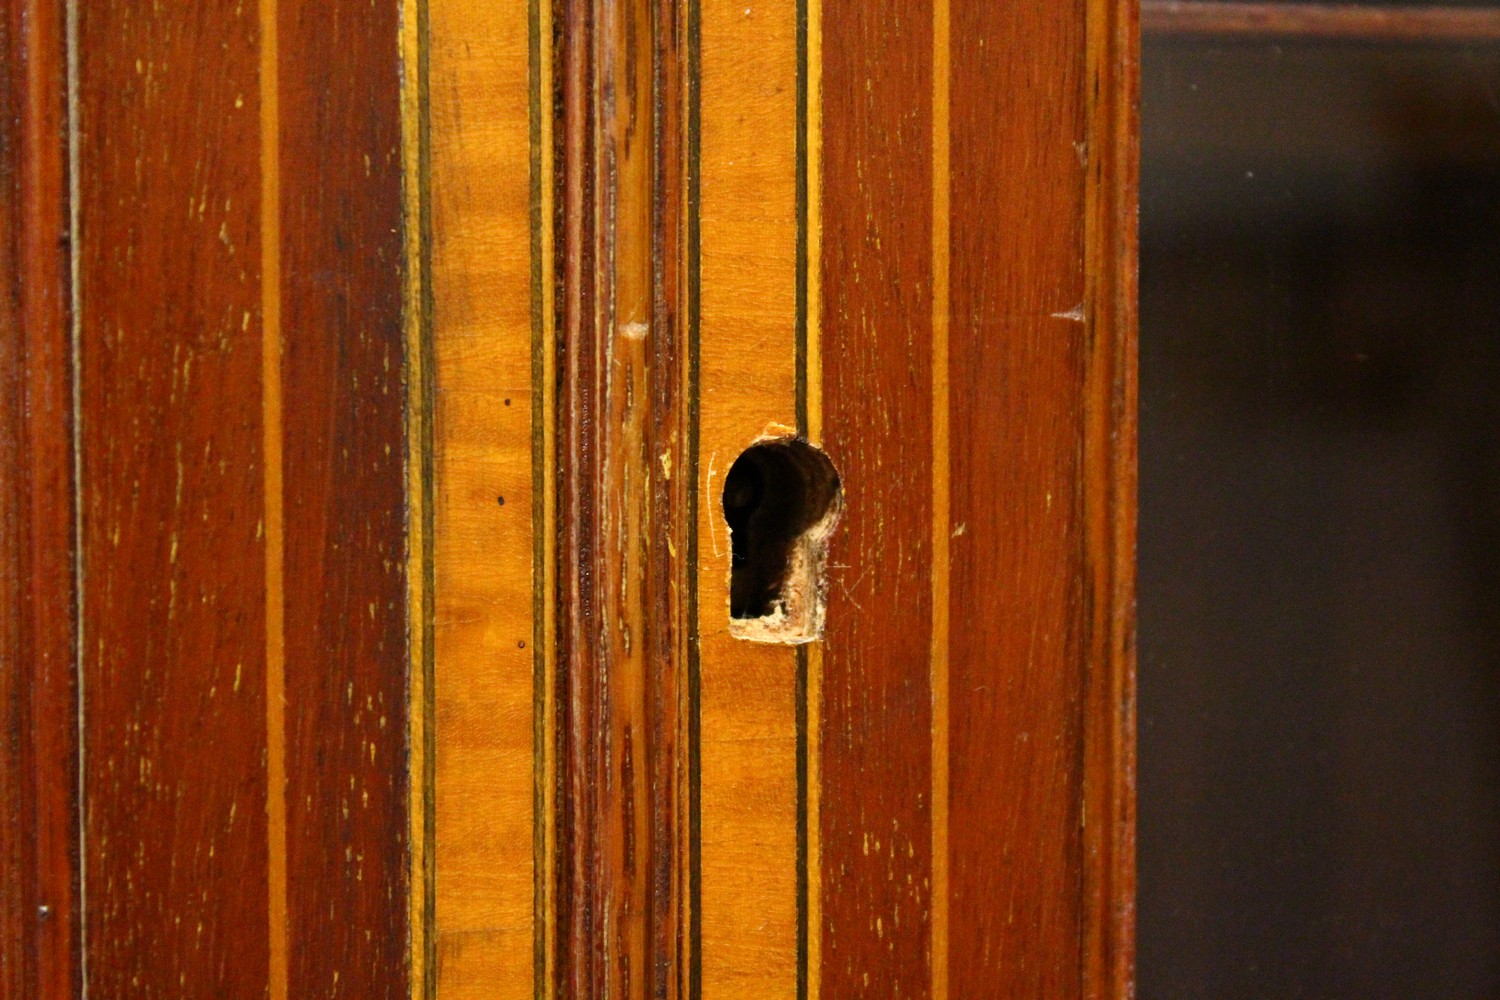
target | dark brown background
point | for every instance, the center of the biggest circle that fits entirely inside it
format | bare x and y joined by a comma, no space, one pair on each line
1320,495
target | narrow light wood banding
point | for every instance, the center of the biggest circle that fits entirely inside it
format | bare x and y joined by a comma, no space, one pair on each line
481,195
273,466
748,707
942,520
419,487
812,379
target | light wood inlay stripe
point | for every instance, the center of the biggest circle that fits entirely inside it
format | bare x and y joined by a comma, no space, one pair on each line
478,169
748,692
941,518
270,283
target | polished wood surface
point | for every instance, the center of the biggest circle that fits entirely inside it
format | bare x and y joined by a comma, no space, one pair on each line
343,394
39,903
1023,674
408,384
239,428
485,404
747,780
877,341
1108,505
172,490
1336,21
1013,441
623,633
1018,667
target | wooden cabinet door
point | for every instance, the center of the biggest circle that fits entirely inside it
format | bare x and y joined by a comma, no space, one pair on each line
575,499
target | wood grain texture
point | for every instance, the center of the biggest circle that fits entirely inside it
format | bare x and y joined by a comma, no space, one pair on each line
748,692
627,480
173,548
344,425
579,969
185,343
1035,391
1110,460
671,598
39,918
876,327
1014,462
1033,177
620,433
1037,404
1339,21
484,524
1019,341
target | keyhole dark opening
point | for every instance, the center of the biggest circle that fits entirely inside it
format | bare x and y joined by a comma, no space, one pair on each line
780,499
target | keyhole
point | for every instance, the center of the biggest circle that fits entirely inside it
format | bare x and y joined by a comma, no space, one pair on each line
781,499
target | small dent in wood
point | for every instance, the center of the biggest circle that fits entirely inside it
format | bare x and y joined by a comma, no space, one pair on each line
781,500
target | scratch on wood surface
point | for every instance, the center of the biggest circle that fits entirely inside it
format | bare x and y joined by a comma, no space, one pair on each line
708,491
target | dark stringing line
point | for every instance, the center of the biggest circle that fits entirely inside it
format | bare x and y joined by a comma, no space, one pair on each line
426,396
802,429
694,247
538,522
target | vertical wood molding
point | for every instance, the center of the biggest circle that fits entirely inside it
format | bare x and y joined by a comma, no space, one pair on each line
39,890
623,426
670,637
1111,254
